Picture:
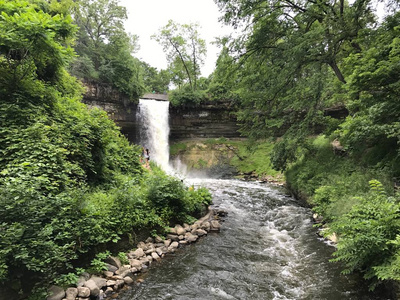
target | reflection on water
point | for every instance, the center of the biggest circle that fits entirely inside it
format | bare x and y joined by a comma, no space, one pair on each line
267,249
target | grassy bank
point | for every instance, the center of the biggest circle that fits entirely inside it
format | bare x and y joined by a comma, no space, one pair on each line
358,202
244,160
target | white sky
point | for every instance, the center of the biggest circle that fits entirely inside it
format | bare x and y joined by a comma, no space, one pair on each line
146,17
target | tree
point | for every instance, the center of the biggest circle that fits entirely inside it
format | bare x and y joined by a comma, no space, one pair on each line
291,64
185,51
104,48
154,80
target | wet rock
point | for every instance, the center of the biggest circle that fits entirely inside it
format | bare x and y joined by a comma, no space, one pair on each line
155,256
206,226
215,226
199,232
174,245
128,280
56,293
190,237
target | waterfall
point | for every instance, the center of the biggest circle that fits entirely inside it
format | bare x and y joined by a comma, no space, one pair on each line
152,115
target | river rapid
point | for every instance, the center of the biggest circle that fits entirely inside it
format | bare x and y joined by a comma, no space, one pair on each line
267,249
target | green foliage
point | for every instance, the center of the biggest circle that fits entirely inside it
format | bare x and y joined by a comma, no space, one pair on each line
123,258
97,264
185,52
104,48
69,279
368,235
186,97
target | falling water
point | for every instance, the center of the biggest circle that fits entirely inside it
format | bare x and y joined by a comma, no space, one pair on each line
154,130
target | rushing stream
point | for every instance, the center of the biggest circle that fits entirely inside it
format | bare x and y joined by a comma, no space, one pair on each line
267,249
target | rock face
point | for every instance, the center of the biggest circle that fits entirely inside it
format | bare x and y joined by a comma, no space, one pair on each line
206,121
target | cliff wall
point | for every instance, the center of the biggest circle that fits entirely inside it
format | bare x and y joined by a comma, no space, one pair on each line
206,121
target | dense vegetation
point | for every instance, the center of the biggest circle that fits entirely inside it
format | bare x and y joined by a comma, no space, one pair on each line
69,181
295,62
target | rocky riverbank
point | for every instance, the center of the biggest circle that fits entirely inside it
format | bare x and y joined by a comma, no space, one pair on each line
106,286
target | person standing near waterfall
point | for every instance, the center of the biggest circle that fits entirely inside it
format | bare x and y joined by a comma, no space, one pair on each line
147,157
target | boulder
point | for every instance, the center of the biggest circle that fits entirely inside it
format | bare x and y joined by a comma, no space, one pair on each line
138,253
199,232
206,226
82,279
180,230
215,226
56,293
71,293
111,268
94,289
83,292
159,251
190,237
155,256
135,263
114,261
111,282
172,237
174,245
149,240
167,243
100,281
108,274
128,280
158,239
142,245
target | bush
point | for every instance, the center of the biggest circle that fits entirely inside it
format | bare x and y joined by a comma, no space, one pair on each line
369,236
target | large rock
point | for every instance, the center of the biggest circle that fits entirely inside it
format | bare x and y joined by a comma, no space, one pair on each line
155,256
138,253
180,230
190,237
71,293
199,232
114,261
82,279
135,263
56,293
83,292
215,226
100,281
94,289
172,237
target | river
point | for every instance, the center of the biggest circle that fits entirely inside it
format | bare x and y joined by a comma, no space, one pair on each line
267,249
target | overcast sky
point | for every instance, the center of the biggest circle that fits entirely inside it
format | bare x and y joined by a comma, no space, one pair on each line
146,17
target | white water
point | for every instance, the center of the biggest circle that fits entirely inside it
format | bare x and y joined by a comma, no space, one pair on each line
153,117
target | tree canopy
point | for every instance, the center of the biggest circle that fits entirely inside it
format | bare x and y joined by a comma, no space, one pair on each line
185,51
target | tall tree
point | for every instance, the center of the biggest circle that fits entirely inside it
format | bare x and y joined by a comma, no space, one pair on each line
290,62
185,50
104,48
